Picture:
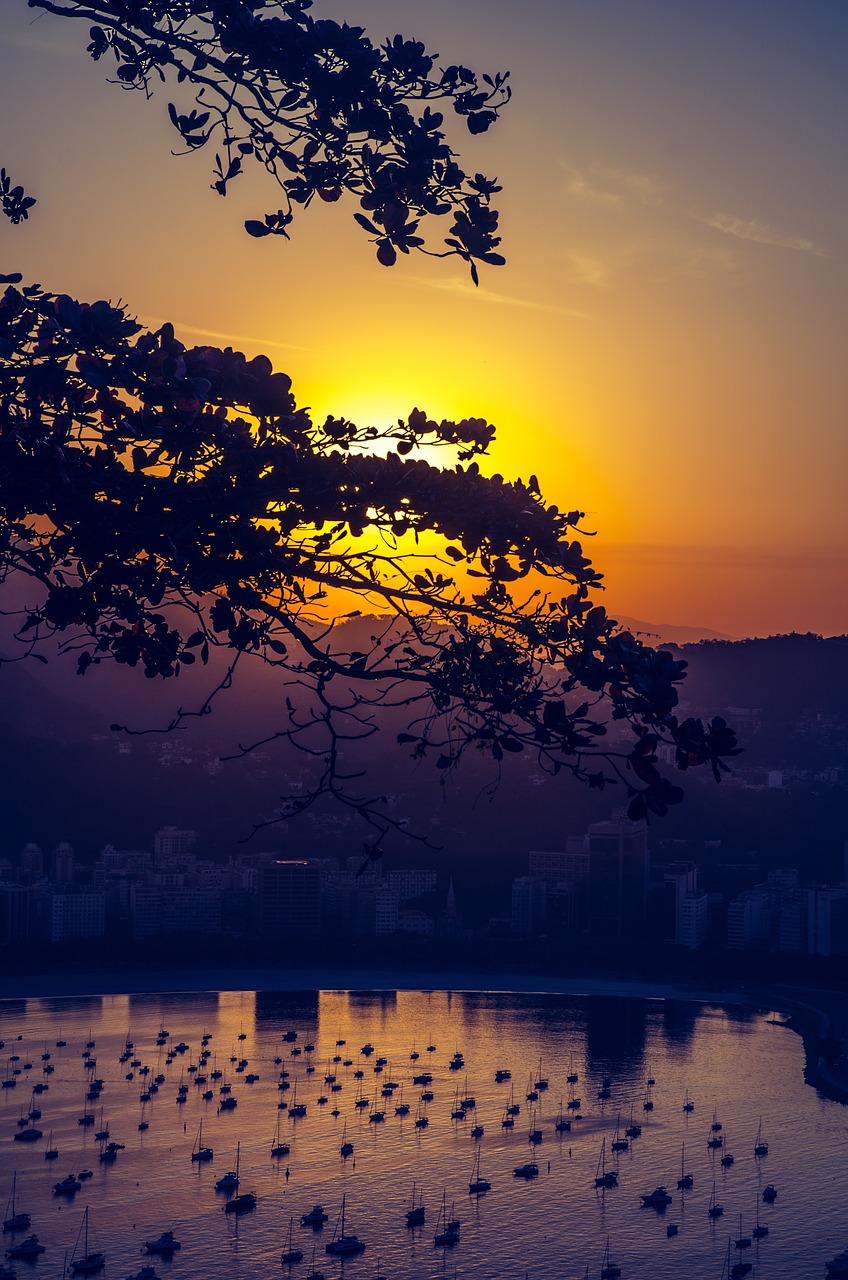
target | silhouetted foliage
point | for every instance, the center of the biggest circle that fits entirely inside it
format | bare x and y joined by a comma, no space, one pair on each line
164,501
14,201
318,106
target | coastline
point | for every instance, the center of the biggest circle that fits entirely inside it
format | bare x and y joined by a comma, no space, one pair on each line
818,1016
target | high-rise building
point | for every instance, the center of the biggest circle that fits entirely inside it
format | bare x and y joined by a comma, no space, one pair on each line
693,921
691,915
750,918
14,913
529,906
171,843
62,864
618,877
31,863
567,866
411,884
77,914
290,899
175,910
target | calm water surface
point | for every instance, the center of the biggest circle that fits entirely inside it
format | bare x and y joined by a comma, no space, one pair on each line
732,1063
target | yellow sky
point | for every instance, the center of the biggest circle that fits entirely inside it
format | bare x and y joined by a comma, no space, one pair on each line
664,348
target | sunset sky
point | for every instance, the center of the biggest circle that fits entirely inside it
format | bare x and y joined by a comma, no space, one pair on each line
665,348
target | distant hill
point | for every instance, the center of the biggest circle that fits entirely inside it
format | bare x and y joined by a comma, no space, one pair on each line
67,777
782,676
669,632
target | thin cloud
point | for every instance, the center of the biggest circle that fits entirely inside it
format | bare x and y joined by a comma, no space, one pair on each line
611,188
761,233
582,189
646,187
229,338
467,290
584,268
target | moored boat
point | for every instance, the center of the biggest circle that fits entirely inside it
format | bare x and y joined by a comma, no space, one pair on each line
656,1199
291,1254
28,1249
15,1219
165,1245
90,1260
344,1244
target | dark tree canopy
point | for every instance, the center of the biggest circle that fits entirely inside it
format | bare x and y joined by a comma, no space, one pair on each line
164,506
317,105
164,501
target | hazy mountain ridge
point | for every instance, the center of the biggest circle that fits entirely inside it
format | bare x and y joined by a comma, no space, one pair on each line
66,777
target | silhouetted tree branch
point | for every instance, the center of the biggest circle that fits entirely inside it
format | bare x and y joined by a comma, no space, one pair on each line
318,106
164,501
15,204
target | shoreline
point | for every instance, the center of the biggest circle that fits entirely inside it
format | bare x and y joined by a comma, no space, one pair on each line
818,1016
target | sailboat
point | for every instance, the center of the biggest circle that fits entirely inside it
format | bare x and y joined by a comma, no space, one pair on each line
759,1229
735,1270
760,1147
52,1153
478,1184
715,1210
201,1155
726,1159
688,1105
344,1245
244,1203
416,1214
562,1124
742,1241
449,1233
291,1254
230,1180
402,1108
603,1176
618,1143
297,1110
278,1147
88,1261
685,1182
346,1149
14,1221
609,1270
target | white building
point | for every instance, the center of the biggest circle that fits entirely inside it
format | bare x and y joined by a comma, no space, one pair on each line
691,906
693,924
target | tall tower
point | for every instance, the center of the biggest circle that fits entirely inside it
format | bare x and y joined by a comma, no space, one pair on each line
618,877
289,899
